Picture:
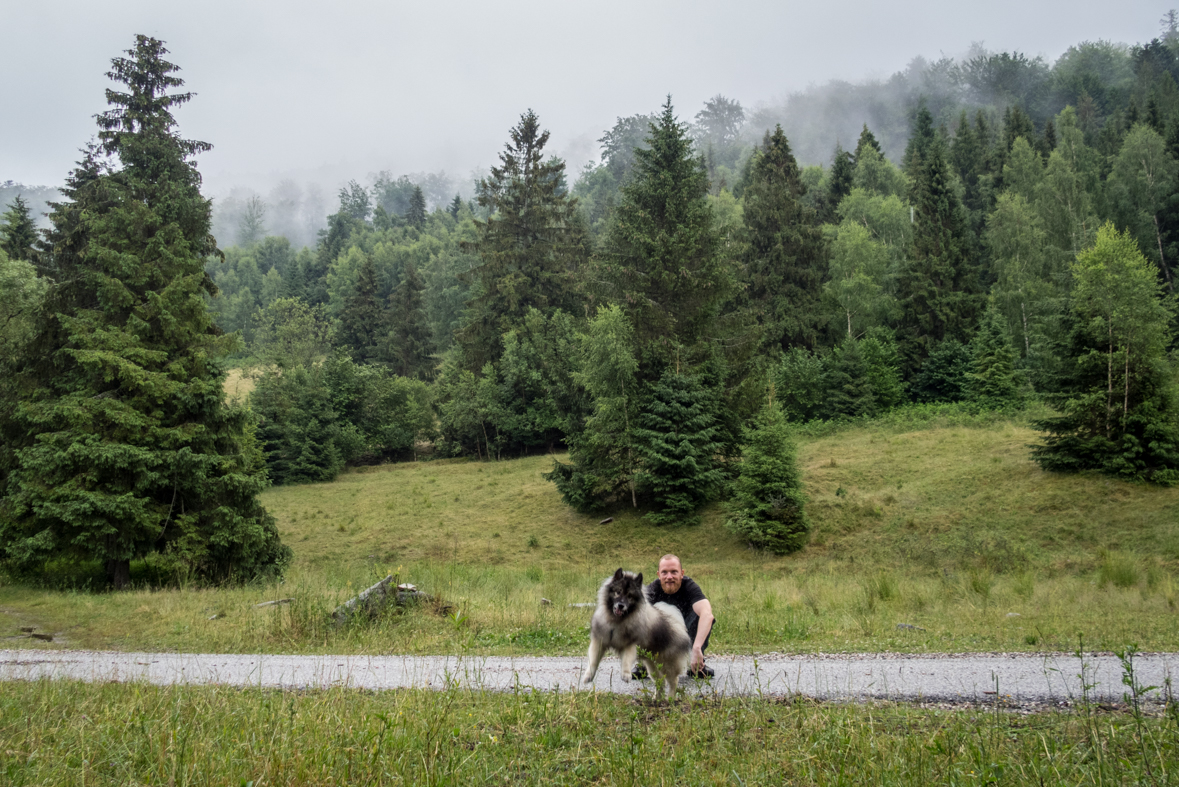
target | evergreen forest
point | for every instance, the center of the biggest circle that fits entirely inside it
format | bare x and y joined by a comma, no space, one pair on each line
1002,231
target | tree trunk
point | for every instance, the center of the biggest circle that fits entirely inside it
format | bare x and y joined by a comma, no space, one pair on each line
118,573
1162,260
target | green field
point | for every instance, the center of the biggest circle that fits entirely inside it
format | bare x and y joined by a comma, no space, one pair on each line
945,526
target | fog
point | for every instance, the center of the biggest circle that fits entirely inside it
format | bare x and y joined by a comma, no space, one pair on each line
301,97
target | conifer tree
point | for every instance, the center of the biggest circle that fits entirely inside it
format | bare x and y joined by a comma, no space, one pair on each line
677,440
768,508
528,246
848,384
839,183
786,251
992,379
938,286
1120,411
661,257
18,233
360,321
416,216
867,140
921,138
122,443
605,456
410,348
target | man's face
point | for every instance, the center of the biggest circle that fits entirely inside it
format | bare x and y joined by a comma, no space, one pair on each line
671,575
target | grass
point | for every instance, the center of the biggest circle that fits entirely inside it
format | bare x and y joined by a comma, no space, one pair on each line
64,733
946,527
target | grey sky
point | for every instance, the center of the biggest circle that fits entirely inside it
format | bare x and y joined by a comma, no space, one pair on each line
331,91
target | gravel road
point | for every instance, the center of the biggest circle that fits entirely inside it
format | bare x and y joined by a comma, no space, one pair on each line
937,678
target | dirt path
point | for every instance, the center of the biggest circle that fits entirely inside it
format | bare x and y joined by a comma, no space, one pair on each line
1017,679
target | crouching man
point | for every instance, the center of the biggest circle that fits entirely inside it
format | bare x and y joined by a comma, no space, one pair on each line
686,596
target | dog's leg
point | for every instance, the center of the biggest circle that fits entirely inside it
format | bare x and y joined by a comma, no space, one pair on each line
629,656
657,671
592,659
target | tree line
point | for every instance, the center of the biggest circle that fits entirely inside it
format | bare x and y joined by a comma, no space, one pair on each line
660,320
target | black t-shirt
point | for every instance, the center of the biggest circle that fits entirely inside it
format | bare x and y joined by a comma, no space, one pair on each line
683,599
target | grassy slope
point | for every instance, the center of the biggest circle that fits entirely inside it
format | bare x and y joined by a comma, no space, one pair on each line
951,529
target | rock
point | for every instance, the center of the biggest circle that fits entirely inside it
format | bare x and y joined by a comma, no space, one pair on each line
272,603
46,637
584,604
28,629
213,617
909,627
1014,615
545,602
407,586
607,520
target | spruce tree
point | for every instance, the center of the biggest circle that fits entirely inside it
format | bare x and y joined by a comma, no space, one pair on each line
867,140
992,380
409,346
1120,407
768,507
839,182
527,247
416,216
18,233
360,321
677,440
121,443
848,384
661,257
938,287
786,253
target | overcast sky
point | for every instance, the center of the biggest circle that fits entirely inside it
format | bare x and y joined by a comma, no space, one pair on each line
331,91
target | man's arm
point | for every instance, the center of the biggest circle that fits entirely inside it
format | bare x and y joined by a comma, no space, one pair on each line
703,611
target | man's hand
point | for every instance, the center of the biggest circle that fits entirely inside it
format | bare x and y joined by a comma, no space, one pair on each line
697,659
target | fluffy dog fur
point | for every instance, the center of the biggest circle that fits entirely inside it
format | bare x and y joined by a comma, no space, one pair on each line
626,622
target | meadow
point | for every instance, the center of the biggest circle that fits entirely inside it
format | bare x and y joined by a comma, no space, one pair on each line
943,525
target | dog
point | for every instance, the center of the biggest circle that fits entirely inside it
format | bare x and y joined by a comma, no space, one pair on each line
628,623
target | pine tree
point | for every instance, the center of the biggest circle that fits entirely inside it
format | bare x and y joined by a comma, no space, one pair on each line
661,257
867,140
992,379
839,182
677,441
768,507
455,207
920,140
848,384
416,216
527,247
121,443
786,253
410,348
360,321
18,233
938,286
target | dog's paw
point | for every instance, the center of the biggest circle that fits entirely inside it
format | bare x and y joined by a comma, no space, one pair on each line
587,678
626,676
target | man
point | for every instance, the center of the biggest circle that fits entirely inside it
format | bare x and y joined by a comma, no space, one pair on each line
686,596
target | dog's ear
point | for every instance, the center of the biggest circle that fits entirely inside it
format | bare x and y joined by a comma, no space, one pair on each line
618,575
640,579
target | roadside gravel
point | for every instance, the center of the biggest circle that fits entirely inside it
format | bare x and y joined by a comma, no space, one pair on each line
1015,679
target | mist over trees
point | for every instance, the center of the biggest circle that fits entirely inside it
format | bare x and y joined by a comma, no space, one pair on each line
973,234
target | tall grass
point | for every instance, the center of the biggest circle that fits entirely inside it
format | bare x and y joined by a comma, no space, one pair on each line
63,733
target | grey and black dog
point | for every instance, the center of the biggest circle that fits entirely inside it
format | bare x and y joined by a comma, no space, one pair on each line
633,627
